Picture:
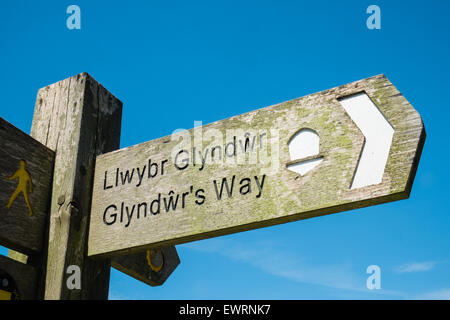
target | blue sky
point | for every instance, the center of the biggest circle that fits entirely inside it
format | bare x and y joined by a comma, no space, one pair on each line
173,62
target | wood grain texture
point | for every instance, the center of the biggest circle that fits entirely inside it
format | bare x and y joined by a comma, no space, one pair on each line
23,275
136,265
78,119
19,230
122,220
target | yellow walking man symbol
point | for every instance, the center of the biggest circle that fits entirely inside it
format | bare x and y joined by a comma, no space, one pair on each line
25,185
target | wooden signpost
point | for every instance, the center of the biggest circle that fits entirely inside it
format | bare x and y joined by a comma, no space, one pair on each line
340,149
68,199
26,169
46,183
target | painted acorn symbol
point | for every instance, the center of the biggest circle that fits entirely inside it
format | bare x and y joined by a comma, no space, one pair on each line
304,151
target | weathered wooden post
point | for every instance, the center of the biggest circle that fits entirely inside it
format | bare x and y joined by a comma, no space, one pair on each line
78,119
74,121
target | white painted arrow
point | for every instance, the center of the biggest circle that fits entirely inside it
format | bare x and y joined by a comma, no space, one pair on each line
378,133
